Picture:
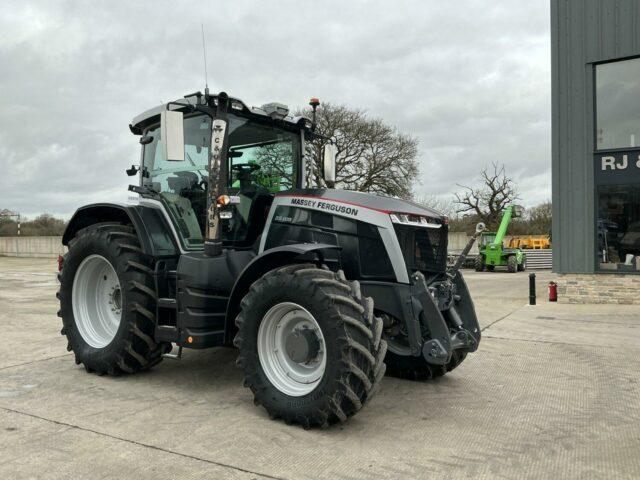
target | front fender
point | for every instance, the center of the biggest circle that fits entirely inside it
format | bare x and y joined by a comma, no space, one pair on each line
269,260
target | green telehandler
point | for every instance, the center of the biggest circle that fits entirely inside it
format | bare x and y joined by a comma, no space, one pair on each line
491,251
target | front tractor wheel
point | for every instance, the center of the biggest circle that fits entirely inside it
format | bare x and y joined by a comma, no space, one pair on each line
107,301
310,347
479,263
512,264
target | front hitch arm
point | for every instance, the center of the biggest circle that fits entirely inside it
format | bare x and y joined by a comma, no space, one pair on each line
453,271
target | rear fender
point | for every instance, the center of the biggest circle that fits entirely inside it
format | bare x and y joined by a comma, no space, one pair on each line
150,225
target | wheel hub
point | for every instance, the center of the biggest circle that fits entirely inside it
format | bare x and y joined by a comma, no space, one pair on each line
116,300
291,349
302,345
96,298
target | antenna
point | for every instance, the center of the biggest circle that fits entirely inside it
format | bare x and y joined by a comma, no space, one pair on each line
204,56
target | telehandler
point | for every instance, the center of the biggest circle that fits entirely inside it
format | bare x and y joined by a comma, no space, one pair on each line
492,252
226,241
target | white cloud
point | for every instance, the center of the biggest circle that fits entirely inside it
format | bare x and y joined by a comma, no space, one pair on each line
471,80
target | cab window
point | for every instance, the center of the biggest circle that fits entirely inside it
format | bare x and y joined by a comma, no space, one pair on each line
182,185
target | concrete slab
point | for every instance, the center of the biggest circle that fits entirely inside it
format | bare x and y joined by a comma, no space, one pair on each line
527,405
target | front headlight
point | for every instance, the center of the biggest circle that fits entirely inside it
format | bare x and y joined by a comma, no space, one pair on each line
416,220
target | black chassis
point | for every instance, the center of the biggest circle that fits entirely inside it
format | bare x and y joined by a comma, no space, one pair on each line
443,307
199,296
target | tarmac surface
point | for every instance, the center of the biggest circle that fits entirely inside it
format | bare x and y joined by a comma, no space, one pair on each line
551,393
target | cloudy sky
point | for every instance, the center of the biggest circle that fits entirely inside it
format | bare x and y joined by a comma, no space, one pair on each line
469,79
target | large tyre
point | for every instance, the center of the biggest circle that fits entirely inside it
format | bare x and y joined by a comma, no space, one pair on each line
330,375
479,263
416,368
512,264
402,364
523,265
108,301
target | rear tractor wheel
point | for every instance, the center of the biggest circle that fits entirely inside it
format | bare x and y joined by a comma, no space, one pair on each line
310,347
512,264
107,301
523,265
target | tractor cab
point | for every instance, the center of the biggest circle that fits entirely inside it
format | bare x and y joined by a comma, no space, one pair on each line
486,238
264,157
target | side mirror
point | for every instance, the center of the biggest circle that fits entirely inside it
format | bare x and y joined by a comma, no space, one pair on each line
480,227
329,164
132,171
172,136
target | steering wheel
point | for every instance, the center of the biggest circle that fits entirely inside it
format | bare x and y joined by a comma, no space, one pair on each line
245,167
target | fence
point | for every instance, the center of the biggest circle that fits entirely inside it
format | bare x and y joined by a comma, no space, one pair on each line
45,247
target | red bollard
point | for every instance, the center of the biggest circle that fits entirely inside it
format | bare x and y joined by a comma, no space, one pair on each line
553,292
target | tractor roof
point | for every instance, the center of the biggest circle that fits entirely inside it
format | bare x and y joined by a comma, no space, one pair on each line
274,111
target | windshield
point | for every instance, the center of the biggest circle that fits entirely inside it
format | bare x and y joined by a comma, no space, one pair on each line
262,156
262,159
487,238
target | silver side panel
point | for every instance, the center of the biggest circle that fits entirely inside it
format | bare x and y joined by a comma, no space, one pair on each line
391,244
358,212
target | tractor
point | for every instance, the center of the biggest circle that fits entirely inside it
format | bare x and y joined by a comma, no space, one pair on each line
492,252
225,240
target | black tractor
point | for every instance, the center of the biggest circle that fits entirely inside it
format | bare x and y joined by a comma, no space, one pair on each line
225,241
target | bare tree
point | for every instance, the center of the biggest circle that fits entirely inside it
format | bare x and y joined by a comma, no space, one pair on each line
489,200
439,204
371,155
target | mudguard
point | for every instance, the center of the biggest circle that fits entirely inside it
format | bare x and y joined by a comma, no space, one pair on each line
151,227
268,260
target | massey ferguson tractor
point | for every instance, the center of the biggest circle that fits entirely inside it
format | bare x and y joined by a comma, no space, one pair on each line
225,241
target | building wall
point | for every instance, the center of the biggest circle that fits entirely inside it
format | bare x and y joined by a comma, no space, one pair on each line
582,32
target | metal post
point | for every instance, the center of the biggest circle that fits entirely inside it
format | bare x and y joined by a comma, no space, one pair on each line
532,289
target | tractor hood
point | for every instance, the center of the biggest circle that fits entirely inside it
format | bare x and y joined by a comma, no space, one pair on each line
371,201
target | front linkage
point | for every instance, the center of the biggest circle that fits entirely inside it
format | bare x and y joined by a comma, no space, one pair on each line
447,310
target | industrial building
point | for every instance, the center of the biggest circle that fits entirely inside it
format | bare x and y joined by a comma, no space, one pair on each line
595,56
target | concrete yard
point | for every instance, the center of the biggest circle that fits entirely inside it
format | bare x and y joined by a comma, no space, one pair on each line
551,393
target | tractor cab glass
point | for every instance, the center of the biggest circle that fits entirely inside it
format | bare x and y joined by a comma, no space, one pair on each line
262,160
487,238
182,184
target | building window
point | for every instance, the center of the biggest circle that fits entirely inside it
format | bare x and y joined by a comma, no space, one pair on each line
618,105
618,227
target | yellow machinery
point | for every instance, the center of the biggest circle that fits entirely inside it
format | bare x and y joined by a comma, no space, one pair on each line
533,242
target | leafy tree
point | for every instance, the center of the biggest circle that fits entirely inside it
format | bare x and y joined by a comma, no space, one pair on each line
539,218
371,155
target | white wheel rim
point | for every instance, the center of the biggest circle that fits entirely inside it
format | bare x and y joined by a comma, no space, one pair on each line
288,376
96,299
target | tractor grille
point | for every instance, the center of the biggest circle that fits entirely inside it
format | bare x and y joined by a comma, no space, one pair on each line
424,249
